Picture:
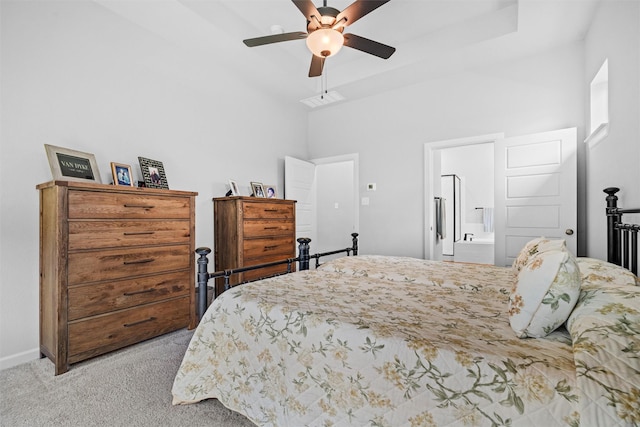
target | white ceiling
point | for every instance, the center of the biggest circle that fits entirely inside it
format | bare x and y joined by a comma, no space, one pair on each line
432,37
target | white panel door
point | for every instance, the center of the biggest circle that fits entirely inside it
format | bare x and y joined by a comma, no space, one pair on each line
535,191
299,185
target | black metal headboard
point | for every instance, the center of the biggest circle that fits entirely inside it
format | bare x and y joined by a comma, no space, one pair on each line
622,239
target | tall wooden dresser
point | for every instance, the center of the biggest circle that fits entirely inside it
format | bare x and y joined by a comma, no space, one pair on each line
250,231
116,267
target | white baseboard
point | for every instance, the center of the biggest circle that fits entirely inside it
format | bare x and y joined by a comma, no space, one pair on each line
19,359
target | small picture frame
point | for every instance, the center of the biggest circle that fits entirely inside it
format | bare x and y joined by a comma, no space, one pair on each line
122,174
258,189
270,191
233,186
72,165
153,173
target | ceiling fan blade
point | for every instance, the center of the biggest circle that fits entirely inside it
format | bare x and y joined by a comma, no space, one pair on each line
308,9
358,9
317,63
275,38
369,46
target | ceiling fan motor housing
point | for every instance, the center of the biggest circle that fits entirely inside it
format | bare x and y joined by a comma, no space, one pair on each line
326,19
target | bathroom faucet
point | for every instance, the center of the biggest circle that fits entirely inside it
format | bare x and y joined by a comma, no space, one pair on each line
468,236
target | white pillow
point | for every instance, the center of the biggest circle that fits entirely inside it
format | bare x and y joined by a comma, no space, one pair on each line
546,291
536,246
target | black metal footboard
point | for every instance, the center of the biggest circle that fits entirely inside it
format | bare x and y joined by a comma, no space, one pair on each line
303,264
622,239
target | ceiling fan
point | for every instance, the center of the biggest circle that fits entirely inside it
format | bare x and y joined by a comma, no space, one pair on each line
325,27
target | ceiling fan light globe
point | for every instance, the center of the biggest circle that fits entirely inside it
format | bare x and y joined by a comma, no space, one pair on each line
325,42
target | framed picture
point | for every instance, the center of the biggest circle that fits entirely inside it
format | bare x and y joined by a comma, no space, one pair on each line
72,165
234,188
258,189
121,174
153,173
271,192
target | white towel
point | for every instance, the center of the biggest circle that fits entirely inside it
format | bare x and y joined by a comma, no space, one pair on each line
441,224
487,219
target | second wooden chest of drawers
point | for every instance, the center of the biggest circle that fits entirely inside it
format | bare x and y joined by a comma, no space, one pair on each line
250,231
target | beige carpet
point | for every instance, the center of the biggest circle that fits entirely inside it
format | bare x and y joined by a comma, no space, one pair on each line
129,387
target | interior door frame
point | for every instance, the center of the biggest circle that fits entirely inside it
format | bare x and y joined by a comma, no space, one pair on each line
432,181
354,158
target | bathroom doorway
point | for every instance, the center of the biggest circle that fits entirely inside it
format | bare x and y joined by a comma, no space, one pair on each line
535,190
435,167
471,211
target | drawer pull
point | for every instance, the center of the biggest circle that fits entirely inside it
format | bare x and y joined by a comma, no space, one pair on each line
140,261
271,228
270,248
137,233
139,206
271,210
146,291
150,319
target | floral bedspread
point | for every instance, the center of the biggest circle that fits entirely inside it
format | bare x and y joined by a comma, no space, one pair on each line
392,341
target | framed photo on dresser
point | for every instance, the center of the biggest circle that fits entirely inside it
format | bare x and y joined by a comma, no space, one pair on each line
121,174
233,186
270,191
258,189
153,173
72,165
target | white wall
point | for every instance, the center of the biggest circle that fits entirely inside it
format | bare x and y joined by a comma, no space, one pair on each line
614,162
532,95
78,76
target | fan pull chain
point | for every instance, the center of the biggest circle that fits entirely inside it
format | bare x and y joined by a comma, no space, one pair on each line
324,85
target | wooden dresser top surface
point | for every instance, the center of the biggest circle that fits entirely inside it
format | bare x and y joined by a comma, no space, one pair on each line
91,186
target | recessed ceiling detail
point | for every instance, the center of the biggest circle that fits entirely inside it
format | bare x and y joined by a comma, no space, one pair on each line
434,38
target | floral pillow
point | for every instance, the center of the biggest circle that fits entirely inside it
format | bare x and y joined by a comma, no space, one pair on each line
596,272
536,246
546,291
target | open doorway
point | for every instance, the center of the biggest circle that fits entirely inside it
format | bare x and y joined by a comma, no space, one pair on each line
326,191
469,201
433,154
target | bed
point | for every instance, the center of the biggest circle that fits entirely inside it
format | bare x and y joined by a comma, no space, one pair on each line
396,341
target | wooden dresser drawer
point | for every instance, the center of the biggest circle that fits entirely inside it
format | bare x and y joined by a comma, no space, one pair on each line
105,234
84,204
268,210
96,266
96,335
89,300
259,228
268,246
